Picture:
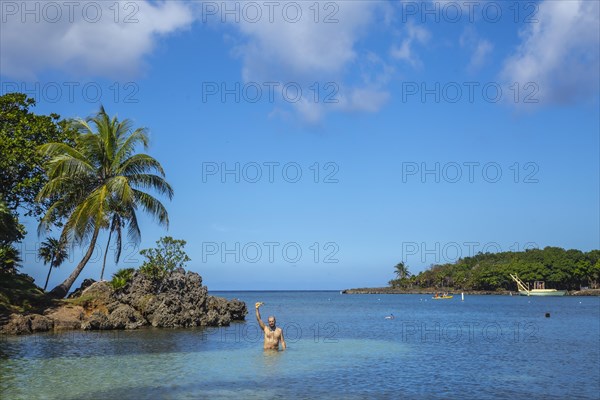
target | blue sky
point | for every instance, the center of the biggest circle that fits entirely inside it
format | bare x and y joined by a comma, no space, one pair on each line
316,150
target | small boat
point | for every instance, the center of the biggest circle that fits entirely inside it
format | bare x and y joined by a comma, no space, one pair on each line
539,288
444,296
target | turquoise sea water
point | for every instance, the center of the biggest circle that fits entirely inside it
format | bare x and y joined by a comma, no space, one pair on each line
339,346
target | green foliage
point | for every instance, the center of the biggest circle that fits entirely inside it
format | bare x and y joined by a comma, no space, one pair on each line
21,175
401,270
121,278
162,260
559,268
21,132
10,228
98,177
10,259
10,231
402,276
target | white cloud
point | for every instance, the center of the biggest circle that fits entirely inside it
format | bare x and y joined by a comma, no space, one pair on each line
481,48
309,52
560,53
310,112
90,38
350,100
405,51
480,55
305,47
363,99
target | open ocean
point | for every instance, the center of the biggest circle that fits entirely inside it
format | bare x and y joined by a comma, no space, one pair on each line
339,346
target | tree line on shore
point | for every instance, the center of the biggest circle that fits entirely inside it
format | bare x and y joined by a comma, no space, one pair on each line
559,268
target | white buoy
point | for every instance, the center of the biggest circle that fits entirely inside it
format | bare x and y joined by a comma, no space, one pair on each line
462,297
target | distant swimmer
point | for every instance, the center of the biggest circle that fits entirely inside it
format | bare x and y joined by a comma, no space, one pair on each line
391,316
273,334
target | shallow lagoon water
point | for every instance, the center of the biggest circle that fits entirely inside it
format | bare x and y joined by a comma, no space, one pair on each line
339,346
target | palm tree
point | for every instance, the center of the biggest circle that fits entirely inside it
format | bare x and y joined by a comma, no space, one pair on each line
401,270
52,251
86,180
120,217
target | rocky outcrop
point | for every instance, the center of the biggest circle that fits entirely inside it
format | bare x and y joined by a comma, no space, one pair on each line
179,300
126,317
19,324
66,317
585,292
84,285
98,321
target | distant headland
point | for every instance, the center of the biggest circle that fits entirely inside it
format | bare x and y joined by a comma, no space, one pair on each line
573,271
433,291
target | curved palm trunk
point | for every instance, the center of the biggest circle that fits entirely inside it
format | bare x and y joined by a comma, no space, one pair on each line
105,254
50,270
61,290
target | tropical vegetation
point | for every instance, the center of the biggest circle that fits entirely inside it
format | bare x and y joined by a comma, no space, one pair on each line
21,169
559,268
99,182
121,277
11,231
78,177
21,166
54,252
166,257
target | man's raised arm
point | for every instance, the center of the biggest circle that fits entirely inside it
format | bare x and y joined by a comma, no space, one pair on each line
262,324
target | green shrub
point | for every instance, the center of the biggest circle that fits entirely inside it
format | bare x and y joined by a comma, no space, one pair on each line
121,278
161,261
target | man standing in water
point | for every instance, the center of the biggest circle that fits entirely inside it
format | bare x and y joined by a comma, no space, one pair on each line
273,334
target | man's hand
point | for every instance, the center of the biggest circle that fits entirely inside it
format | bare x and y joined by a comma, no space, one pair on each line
260,323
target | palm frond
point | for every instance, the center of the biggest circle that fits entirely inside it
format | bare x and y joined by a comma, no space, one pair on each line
155,182
139,164
127,145
133,231
153,207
